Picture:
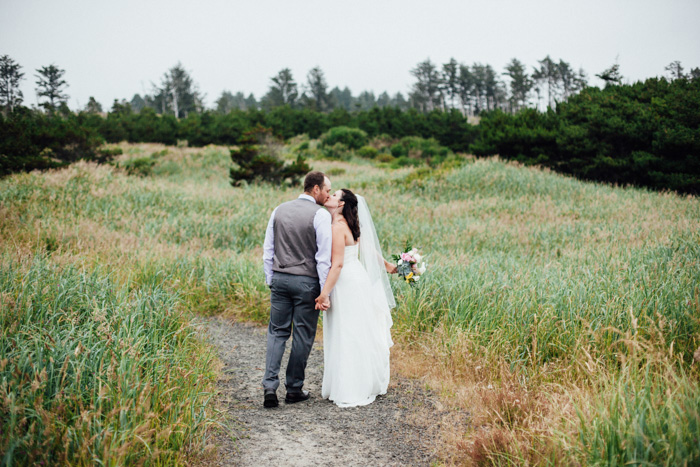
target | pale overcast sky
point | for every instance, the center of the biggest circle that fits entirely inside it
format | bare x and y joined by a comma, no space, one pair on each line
114,49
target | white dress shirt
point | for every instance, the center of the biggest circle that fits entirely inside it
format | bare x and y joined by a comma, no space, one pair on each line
324,238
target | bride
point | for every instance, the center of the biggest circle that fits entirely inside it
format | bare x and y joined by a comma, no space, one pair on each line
356,302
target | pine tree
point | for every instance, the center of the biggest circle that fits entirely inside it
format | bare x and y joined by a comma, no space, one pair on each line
93,107
283,90
317,97
10,76
520,84
50,84
425,95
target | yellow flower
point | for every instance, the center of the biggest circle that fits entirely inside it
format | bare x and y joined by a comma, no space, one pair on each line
409,276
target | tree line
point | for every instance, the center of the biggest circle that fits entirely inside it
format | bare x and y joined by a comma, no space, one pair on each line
646,133
471,89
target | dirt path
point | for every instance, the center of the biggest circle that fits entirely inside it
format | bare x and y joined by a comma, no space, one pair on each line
391,431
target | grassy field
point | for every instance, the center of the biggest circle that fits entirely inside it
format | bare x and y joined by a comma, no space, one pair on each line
562,315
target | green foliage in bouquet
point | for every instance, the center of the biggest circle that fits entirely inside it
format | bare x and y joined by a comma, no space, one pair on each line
405,268
256,161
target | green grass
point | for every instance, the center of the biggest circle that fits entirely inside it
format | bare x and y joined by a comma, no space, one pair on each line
535,270
93,371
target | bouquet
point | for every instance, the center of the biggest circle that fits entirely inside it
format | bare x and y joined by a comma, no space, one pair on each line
410,264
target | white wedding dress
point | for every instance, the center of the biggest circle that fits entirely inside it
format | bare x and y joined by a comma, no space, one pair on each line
356,337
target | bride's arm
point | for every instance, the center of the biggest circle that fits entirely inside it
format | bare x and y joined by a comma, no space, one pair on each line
337,257
390,267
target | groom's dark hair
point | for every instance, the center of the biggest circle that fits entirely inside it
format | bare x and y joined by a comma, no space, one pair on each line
312,179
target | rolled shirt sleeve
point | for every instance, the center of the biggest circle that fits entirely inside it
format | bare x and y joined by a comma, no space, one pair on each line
269,248
324,241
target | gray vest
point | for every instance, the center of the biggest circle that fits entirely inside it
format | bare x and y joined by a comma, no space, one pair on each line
295,238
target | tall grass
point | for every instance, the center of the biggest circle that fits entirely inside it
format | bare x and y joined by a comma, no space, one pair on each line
537,284
94,372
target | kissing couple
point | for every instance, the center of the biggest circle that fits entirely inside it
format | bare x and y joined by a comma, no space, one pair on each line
321,253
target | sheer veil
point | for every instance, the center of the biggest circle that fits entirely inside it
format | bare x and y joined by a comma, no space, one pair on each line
371,253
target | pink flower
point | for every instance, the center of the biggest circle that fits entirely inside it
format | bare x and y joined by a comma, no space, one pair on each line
407,257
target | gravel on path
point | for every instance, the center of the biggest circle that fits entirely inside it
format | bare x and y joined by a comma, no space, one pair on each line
393,430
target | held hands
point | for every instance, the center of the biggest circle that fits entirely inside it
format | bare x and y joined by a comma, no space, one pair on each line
323,302
391,268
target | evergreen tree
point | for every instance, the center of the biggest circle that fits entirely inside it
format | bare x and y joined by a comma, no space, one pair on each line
478,72
676,70
93,107
548,75
425,95
250,103
341,99
283,90
317,97
567,78
50,84
465,83
138,103
384,100
399,101
225,102
178,94
365,101
611,75
520,84
450,81
10,76
493,88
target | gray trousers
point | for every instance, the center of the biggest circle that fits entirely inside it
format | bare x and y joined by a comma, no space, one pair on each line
292,302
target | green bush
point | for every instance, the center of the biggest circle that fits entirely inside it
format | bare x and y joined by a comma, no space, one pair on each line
108,153
419,150
256,162
352,138
337,151
398,150
405,161
368,152
141,166
385,158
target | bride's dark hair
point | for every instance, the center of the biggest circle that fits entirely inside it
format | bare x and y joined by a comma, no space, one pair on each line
350,212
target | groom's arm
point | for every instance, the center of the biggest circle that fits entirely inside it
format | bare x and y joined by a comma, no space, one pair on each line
269,248
324,241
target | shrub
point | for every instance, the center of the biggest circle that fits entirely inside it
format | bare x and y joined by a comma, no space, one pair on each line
139,166
420,150
352,138
385,158
108,153
257,162
30,139
337,151
398,150
647,133
368,152
382,141
405,161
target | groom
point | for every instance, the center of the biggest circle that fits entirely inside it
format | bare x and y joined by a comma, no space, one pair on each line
296,258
